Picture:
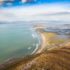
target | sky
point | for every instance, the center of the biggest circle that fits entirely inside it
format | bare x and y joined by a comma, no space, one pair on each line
37,10
8,3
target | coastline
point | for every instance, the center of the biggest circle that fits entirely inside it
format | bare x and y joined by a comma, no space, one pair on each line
43,40
42,43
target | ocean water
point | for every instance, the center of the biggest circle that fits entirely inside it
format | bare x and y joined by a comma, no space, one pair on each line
16,40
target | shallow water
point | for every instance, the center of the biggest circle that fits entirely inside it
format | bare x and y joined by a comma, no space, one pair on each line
16,40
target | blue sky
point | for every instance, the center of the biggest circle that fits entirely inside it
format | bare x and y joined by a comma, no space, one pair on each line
51,1
19,2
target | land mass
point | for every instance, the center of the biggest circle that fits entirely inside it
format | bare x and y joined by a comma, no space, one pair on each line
53,54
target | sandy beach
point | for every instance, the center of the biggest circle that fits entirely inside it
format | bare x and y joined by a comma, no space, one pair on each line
42,44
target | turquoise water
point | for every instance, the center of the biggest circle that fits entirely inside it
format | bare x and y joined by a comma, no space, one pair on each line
16,40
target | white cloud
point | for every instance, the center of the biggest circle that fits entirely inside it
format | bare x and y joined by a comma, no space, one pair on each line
34,13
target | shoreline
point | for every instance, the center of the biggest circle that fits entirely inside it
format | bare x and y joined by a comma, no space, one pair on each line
42,43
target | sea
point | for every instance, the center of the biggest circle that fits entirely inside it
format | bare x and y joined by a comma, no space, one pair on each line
17,40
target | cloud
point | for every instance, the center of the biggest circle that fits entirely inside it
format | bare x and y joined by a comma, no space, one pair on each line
37,12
